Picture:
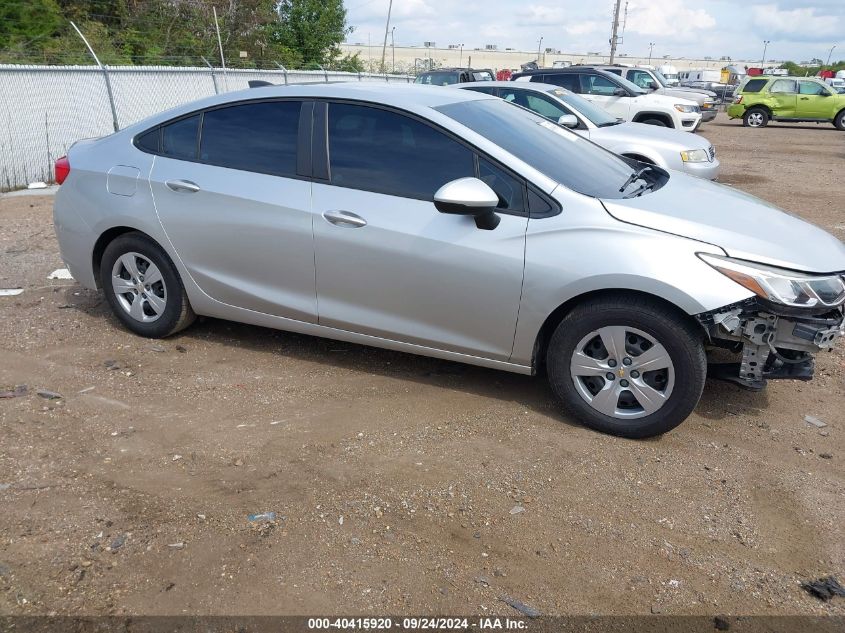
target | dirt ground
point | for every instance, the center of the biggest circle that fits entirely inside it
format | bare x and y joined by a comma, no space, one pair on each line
396,479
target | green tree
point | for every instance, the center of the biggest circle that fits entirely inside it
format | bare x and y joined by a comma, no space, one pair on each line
25,25
312,28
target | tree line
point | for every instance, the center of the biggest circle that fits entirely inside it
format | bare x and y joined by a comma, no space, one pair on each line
253,33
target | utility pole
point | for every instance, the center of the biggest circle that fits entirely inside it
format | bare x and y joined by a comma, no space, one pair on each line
763,62
650,49
830,52
386,28
539,46
614,38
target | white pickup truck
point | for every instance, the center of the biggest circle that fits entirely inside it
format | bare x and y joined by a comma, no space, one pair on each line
620,97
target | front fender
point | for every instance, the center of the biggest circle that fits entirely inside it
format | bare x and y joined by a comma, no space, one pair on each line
584,250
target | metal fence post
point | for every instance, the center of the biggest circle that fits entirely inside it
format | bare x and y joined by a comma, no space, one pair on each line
105,74
325,74
284,71
213,76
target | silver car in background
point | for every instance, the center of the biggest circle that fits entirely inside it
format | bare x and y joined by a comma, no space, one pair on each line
668,148
451,224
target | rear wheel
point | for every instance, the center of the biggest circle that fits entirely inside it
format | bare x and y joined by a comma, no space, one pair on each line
143,287
756,117
629,367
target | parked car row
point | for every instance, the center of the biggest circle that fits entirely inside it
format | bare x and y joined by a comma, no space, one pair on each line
450,223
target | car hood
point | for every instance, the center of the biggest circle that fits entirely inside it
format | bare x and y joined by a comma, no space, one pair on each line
701,91
667,101
649,135
744,226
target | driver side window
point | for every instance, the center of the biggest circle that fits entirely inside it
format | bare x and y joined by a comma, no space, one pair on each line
597,85
641,78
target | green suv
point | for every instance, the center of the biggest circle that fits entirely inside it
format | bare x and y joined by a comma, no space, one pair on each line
793,99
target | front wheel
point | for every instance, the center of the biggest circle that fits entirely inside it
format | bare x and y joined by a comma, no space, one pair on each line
657,122
143,287
629,366
839,121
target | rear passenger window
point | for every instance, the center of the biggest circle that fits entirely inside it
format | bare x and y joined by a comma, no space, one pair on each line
179,139
148,141
258,137
383,151
754,85
781,86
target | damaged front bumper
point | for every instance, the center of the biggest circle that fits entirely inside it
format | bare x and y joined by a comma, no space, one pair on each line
774,341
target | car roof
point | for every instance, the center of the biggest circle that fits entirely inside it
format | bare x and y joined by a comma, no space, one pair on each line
536,86
411,97
562,71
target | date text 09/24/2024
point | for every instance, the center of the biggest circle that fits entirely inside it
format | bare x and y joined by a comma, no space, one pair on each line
418,623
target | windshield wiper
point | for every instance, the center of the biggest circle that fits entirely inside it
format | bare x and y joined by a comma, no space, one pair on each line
640,190
634,177
609,123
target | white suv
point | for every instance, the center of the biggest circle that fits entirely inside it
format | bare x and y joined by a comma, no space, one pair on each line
620,97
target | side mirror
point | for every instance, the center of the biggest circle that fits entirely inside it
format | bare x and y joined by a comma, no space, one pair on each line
824,93
568,120
620,92
469,196
652,85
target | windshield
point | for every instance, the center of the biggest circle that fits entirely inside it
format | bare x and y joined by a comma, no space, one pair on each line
594,113
563,156
660,78
437,79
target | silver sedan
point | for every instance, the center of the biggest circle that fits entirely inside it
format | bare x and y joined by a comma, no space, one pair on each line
668,148
451,224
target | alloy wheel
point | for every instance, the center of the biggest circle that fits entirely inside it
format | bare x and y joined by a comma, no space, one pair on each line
755,119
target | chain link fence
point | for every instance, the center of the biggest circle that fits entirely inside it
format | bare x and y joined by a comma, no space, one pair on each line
45,109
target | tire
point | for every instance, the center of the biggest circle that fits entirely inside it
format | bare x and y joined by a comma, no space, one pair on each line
657,122
755,117
152,310
839,121
616,408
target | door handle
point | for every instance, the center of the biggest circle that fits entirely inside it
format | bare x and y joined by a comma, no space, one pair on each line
345,218
185,186
805,98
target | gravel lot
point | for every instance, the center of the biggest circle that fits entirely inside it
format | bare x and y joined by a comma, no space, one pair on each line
401,484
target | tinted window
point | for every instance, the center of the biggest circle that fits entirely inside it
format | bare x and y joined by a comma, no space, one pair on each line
615,71
485,90
149,140
179,139
564,80
754,85
440,79
597,85
562,155
811,88
783,86
258,137
510,190
383,151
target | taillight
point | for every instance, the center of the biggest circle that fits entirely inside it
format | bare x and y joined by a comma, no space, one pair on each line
62,169
738,99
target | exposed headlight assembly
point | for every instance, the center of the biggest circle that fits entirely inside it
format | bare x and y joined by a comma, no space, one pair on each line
786,287
680,107
695,156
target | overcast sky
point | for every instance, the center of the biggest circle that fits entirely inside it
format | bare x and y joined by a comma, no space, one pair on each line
798,29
